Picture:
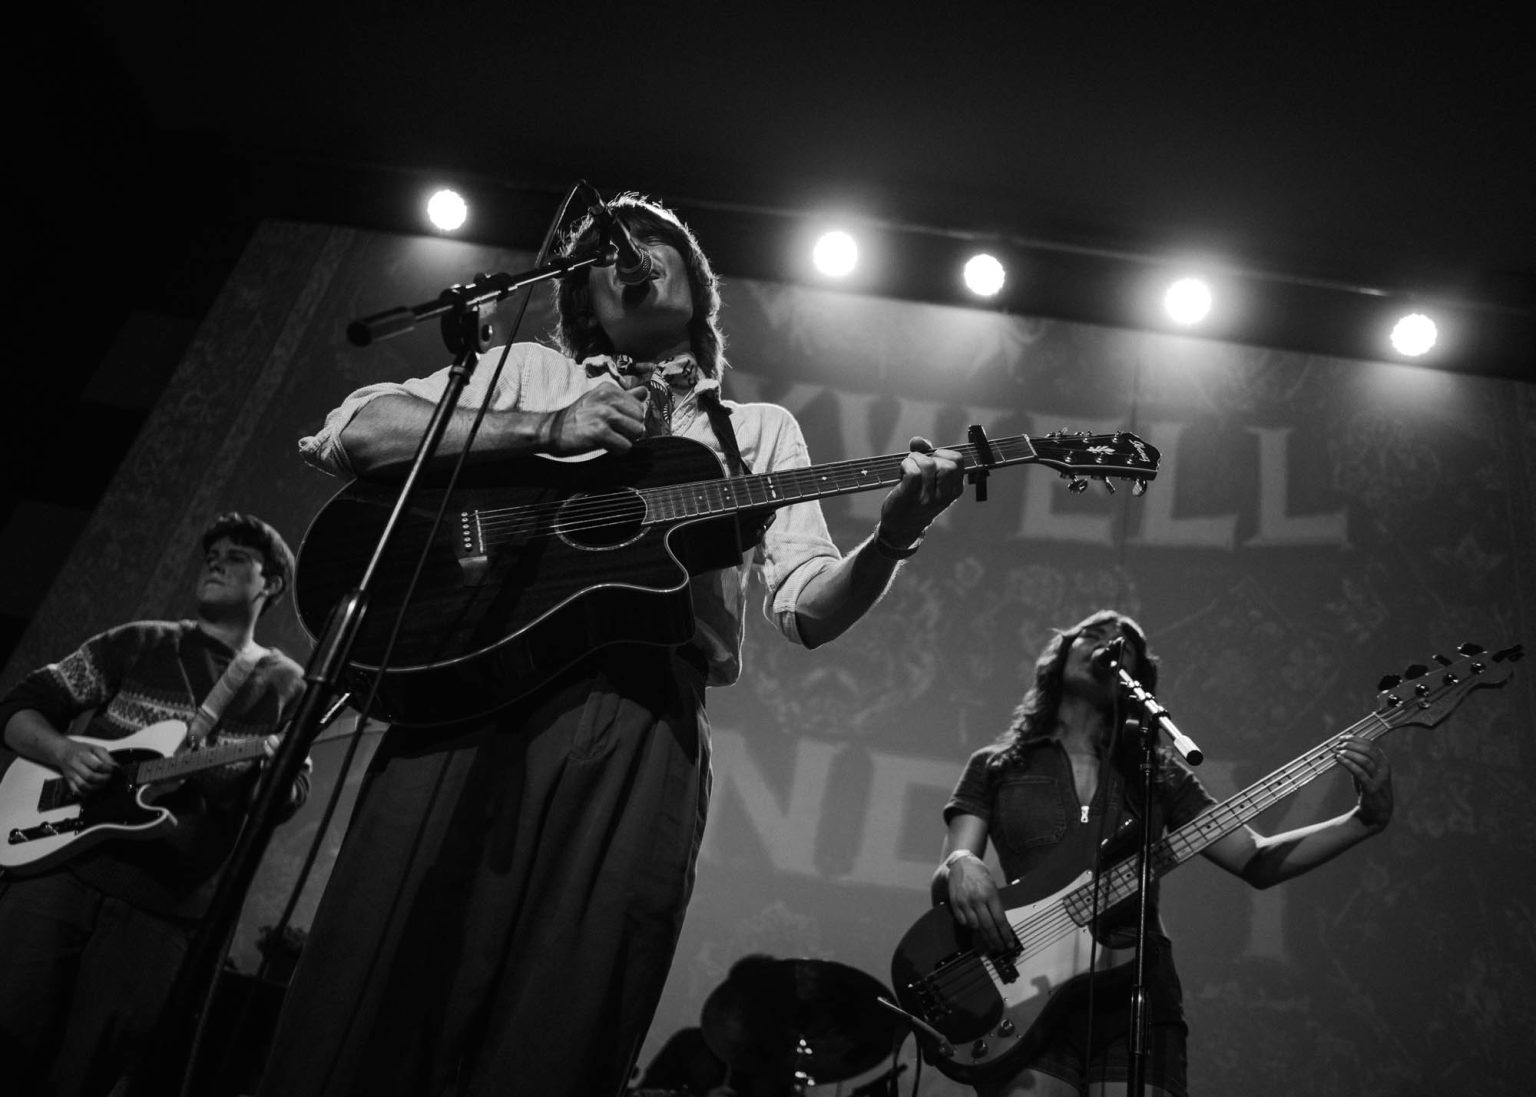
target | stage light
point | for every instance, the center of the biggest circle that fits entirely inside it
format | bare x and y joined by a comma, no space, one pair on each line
984,275
1188,301
835,254
446,210
1413,335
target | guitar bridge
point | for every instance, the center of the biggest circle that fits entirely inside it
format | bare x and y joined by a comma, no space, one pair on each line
473,559
21,835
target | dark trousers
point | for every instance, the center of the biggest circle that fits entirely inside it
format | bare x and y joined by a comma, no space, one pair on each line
506,903
83,978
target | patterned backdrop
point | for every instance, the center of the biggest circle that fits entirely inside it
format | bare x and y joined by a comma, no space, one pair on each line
1316,524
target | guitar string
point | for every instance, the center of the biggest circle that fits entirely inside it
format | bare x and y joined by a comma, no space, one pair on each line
657,505
1266,792
1059,923
774,489
808,480
1220,818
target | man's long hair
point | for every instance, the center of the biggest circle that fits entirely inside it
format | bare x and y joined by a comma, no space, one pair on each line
1035,716
577,331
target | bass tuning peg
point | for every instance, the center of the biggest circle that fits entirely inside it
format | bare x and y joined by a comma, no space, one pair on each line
1418,670
1388,681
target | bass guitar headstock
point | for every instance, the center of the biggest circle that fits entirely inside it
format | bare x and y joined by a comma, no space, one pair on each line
1423,696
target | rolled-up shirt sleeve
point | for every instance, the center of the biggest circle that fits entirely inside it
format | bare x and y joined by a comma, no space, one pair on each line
325,451
797,546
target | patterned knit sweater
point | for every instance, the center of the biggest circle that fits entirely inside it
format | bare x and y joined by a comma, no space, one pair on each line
140,674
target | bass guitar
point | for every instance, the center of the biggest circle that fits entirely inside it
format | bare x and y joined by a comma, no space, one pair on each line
984,1011
539,561
44,823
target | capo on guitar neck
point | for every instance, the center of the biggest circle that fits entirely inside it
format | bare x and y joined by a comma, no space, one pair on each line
985,458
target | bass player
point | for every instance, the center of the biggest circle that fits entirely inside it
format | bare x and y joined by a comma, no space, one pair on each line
1055,776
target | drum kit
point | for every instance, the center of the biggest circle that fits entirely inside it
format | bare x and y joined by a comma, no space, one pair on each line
795,1023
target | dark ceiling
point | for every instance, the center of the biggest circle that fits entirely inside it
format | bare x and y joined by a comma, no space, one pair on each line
1334,147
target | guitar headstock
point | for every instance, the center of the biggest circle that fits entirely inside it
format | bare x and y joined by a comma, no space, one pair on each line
1424,696
1081,457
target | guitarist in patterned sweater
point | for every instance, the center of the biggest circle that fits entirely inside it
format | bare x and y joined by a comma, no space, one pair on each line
1055,783
89,948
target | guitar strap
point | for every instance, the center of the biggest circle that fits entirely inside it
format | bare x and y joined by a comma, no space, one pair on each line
720,422
223,691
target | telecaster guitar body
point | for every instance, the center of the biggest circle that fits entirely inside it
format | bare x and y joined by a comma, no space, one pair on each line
43,824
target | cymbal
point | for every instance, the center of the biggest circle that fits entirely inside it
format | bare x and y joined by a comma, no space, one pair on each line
772,1018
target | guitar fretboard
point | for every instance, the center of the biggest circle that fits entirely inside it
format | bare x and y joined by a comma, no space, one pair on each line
1124,879
191,761
1120,455
56,794
777,489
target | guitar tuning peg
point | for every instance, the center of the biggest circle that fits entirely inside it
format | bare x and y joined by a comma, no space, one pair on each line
1077,485
1418,670
1388,681
1139,488
1471,649
1442,660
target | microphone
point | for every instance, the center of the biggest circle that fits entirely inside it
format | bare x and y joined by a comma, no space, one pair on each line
1108,655
632,264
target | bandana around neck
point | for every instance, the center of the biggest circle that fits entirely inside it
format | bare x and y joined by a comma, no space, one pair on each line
679,372
667,380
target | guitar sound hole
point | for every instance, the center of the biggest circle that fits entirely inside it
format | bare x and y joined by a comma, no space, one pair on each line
601,521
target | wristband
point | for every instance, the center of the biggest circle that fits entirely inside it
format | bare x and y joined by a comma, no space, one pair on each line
892,552
956,855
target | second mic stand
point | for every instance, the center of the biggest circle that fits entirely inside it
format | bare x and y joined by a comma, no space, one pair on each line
1155,716
467,336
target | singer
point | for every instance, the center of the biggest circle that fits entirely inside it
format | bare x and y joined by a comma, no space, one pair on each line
1056,781
505,907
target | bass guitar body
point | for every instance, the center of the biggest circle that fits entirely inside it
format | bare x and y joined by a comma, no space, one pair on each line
536,563
991,1008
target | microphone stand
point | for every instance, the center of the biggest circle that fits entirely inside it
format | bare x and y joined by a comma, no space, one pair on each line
1155,717
167,1066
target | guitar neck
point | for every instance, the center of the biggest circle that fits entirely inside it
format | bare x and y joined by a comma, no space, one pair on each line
189,762
1123,880
767,491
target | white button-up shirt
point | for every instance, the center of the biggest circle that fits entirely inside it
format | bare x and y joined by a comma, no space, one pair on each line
795,548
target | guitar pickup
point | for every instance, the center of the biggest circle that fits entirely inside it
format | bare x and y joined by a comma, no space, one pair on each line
1002,963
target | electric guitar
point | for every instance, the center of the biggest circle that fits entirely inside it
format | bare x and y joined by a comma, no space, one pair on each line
984,1011
43,823
539,561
